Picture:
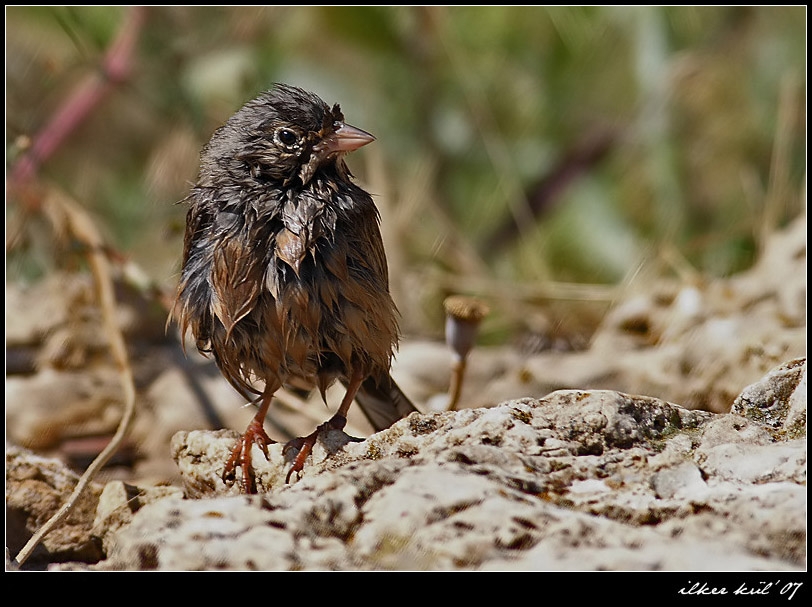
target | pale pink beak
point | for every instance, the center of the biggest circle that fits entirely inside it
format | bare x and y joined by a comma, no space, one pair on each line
346,138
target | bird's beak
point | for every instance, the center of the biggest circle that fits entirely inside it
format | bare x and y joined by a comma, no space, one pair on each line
345,138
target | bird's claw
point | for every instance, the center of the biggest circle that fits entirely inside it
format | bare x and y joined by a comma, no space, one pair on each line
241,456
304,444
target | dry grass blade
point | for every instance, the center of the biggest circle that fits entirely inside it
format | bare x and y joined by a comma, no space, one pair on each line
780,184
82,228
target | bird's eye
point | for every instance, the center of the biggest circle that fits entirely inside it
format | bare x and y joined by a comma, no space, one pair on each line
287,137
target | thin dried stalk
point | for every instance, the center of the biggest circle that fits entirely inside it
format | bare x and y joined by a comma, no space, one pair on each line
496,288
779,190
62,211
83,229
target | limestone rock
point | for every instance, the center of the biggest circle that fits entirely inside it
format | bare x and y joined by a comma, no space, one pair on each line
577,480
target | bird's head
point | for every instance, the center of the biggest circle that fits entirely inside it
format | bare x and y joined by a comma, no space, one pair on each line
283,135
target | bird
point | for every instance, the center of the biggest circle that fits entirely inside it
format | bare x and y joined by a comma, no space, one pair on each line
284,274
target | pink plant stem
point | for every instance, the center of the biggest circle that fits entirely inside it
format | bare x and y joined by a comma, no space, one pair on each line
115,69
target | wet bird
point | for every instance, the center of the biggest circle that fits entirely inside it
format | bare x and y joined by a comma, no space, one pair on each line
284,272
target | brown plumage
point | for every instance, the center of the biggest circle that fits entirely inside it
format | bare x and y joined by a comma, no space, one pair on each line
284,271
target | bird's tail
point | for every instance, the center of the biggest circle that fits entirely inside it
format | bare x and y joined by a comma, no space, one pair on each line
383,402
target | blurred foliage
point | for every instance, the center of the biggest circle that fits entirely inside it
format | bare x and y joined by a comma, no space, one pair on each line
517,147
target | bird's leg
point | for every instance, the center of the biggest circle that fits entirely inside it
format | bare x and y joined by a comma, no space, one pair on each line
305,444
254,435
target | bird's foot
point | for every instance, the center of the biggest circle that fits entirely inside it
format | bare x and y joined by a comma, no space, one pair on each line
304,444
241,455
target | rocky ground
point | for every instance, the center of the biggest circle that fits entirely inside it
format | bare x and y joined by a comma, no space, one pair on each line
675,442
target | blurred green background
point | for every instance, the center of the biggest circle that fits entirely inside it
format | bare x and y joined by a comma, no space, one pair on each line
540,158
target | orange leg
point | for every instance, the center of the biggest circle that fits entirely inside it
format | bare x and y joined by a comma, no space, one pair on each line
305,444
254,435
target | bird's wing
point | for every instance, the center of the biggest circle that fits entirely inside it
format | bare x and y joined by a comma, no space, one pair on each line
236,280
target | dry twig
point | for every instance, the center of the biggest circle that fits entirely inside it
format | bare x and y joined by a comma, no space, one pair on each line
82,228
62,212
